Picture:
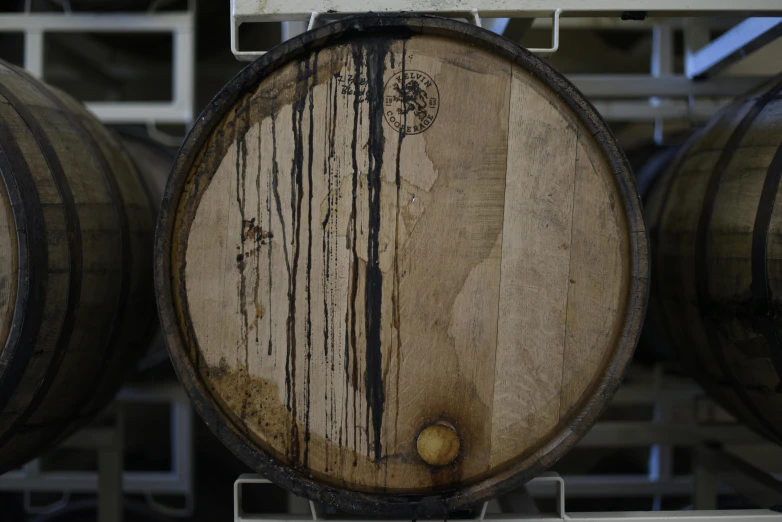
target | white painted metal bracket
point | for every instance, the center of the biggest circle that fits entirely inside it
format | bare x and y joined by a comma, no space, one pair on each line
314,20
554,36
476,20
181,25
252,478
751,515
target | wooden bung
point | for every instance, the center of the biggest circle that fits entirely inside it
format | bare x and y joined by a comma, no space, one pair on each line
76,294
716,231
400,264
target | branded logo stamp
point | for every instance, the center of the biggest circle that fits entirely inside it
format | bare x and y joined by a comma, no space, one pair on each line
411,103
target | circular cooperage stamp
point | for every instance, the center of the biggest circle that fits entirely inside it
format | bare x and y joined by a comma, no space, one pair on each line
410,102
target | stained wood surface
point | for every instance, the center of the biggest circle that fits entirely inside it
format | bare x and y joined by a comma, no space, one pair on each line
76,245
718,257
347,258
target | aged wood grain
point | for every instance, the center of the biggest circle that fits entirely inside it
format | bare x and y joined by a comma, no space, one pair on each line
536,258
392,231
598,274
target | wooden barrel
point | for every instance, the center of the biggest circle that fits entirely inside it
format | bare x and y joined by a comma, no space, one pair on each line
153,162
717,257
76,289
400,265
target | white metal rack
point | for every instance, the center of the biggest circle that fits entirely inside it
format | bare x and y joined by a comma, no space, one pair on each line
181,25
659,96
547,479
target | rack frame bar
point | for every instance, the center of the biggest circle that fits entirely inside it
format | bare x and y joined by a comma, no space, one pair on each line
181,25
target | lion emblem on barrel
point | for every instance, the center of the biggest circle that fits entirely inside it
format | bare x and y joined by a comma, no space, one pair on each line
411,102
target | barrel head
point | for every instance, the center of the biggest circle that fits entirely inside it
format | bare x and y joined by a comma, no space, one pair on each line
393,223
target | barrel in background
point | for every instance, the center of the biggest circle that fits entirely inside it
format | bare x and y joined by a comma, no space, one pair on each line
152,160
75,269
715,227
400,264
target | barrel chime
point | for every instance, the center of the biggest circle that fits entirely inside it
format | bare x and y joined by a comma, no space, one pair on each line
76,231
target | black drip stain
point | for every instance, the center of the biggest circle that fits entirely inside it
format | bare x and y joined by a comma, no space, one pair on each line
241,199
297,196
375,393
325,249
269,264
353,374
329,260
335,197
284,242
273,187
308,324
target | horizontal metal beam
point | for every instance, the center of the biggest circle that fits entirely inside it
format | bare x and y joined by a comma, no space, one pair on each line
699,111
672,391
645,86
615,23
639,434
92,437
282,10
744,39
130,112
133,482
96,22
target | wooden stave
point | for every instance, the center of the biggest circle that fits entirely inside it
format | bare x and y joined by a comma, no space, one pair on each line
23,436
389,505
730,392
